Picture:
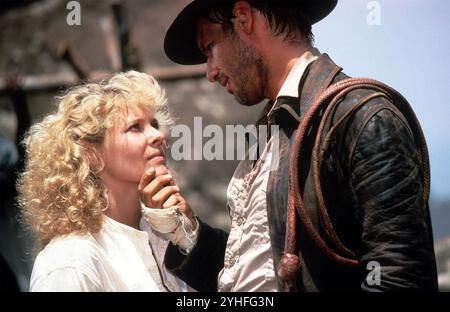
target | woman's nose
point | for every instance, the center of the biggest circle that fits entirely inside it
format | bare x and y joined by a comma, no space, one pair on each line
154,136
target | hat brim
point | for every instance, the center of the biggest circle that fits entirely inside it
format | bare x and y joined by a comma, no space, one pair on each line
180,43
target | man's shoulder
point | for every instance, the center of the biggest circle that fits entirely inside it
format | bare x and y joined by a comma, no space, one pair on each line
363,106
364,101
330,73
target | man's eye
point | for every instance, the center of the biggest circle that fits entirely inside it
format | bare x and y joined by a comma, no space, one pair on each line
208,47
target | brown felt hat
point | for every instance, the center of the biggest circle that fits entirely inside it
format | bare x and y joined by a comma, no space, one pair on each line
180,42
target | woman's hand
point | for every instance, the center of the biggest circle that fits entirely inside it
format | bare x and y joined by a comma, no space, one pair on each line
155,191
161,192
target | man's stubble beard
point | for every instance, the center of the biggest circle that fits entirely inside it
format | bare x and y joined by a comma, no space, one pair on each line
249,72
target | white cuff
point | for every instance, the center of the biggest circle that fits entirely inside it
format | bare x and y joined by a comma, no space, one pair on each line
175,226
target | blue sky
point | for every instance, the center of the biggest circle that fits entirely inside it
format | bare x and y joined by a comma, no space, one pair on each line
410,51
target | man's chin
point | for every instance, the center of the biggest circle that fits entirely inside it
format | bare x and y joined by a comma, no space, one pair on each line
247,101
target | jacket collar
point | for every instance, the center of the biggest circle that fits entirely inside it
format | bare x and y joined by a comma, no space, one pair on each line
287,97
288,109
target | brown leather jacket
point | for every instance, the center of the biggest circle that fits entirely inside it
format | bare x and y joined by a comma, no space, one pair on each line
372,187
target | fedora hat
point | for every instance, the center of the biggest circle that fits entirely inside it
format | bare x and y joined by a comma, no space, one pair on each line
180,42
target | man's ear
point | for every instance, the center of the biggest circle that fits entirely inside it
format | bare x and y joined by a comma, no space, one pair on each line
243,20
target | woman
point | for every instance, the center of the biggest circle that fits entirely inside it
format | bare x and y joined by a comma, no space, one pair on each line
93,169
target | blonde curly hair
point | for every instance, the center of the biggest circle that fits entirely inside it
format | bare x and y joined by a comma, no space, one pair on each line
60,191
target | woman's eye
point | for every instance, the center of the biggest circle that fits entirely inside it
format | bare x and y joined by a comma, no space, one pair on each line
155,124
134,127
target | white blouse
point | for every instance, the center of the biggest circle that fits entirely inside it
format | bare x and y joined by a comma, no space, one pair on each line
117,258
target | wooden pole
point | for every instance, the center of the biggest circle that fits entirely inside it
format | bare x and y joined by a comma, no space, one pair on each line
128,52
78,63
50,82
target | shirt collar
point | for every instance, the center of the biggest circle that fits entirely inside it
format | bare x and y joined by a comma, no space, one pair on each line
290,85
287,100
117,227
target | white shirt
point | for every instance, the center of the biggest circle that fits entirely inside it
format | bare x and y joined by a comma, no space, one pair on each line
249,263
117,258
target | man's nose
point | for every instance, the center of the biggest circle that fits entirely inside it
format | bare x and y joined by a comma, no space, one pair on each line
211,71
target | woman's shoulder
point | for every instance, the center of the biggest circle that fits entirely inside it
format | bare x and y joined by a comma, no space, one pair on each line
69,263
69,251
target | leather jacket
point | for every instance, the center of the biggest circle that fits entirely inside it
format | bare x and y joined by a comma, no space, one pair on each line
372,182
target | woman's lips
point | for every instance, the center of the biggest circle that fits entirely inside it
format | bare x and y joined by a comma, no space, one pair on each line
157,158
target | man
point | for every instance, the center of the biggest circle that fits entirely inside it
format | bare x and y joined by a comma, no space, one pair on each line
372,178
